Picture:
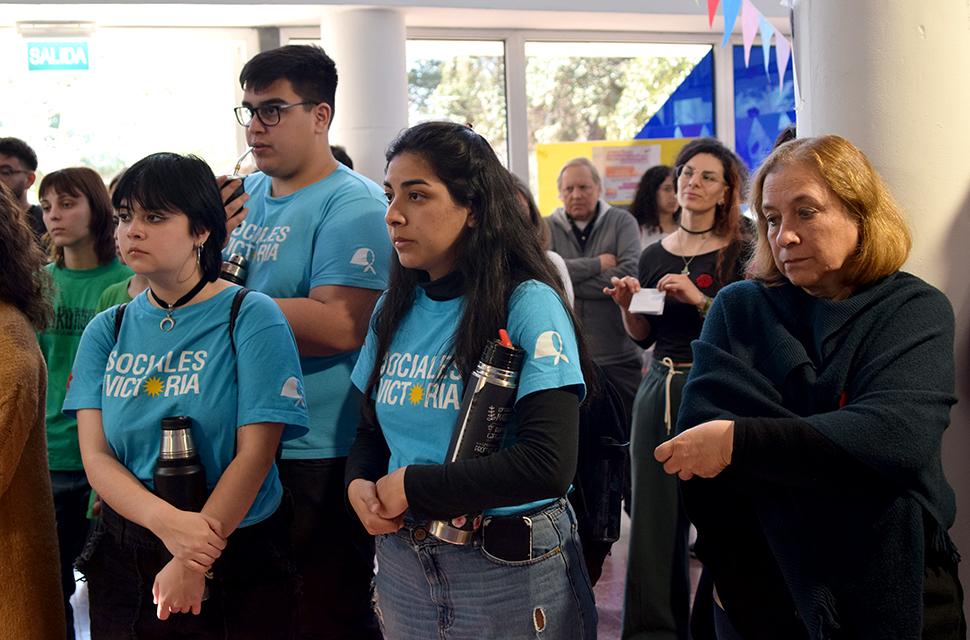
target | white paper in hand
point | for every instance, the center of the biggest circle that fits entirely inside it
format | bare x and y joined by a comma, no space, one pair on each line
648,301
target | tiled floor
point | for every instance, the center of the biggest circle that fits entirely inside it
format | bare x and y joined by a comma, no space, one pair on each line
609,589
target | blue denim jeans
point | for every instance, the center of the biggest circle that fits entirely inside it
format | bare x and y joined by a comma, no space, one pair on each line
433,590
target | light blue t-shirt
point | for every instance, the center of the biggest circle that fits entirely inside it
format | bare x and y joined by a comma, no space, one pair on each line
417,413
191,371
331,232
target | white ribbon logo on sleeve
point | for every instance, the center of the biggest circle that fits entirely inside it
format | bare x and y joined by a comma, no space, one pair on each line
549,345
364,258
293,389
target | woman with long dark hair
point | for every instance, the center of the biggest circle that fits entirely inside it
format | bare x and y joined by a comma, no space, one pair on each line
466,265
689,266
29,573
195,346
78,217
655,204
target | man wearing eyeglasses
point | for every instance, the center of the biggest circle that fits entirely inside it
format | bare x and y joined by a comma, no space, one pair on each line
315,241
18,164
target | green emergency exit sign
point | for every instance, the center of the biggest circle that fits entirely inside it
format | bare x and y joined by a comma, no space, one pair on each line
57,56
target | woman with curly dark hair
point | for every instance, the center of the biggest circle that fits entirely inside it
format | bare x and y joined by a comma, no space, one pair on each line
689,267
27,534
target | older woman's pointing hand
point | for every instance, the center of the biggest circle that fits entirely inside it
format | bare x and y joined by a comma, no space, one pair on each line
704,450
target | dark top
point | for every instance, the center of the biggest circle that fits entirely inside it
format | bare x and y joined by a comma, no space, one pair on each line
582,235
547,439
835,498
672,332
35,217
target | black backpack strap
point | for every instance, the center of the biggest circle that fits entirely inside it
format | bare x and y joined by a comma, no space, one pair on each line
237,301
119,317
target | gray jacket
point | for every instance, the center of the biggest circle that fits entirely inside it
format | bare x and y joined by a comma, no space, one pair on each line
615,231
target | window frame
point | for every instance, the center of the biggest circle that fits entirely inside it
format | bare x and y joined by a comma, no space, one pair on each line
516,100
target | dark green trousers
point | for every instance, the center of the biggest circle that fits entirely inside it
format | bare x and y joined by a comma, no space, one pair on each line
657,599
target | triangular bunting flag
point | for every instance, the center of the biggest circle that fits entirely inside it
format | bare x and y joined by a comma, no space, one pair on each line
749,27
782,53
711,10
766,32
731,9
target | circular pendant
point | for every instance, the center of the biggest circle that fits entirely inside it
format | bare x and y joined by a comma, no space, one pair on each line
167,324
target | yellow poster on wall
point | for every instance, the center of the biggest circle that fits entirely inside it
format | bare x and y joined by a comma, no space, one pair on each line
620,163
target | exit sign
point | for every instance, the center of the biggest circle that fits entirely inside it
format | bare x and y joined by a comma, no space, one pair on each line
57,56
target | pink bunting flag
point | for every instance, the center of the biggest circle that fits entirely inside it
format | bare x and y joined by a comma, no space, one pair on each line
749,27
731,9
766,32
711,10
782,53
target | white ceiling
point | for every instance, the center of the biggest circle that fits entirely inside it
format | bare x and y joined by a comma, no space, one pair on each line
679,16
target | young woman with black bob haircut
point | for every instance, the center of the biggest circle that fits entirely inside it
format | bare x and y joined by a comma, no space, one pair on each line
466,265
689,266
175,352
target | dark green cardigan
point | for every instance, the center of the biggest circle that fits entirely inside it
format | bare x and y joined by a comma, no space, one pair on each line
839,409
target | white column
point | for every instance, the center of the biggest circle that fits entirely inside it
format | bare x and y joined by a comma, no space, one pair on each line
890,76
372,90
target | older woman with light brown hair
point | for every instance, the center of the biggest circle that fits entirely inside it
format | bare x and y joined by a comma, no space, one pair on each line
812,421
30,602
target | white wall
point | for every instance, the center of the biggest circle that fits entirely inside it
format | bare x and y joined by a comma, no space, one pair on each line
891,77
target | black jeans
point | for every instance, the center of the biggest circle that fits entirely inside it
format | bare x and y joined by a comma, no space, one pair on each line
71,493
252,594
332,551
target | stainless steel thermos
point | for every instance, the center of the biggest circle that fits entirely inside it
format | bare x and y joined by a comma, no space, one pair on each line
234,269
179,475
486,409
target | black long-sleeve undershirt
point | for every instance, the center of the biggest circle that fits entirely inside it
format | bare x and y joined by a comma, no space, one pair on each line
541,464
790,452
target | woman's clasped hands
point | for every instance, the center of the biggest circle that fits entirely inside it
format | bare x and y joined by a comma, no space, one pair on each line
195,541
380,506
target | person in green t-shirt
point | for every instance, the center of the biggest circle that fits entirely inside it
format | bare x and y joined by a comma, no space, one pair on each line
120,293
78,217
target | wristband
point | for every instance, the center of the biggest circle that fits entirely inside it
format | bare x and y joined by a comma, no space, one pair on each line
705,306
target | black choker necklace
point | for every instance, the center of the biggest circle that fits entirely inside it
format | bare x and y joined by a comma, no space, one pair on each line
168,322
697,233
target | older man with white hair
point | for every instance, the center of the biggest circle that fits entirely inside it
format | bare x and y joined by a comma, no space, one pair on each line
597,242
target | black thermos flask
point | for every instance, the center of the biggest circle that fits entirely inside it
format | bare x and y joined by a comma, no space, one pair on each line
486,409
179,475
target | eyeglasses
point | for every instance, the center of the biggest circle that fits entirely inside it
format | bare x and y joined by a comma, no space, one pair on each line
708,178
6,172
268,114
